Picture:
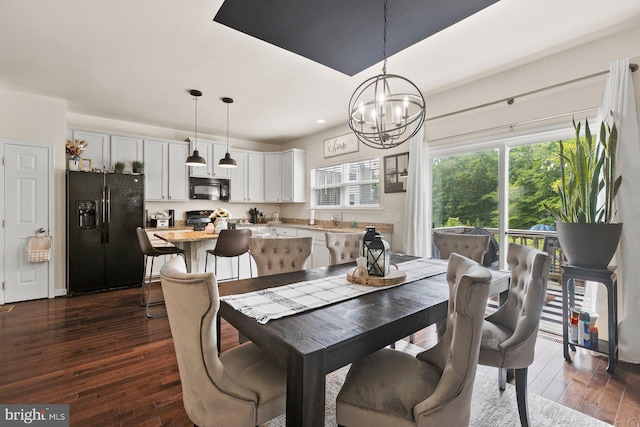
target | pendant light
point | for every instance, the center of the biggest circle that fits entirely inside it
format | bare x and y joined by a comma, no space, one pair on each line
227,161
386,110
195,159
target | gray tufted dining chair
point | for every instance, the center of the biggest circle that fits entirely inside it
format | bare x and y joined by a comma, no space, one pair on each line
393,388
509,335
275,255
343,247
240,387
472,246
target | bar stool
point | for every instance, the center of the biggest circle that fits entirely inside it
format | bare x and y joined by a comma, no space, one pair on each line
148,250
231,243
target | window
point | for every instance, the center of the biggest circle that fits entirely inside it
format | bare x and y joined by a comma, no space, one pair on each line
354,184
465,189
500,185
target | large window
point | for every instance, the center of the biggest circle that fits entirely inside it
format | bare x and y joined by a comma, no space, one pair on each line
354,184
465,190
499,185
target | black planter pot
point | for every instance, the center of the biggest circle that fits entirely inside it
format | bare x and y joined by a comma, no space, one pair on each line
589,245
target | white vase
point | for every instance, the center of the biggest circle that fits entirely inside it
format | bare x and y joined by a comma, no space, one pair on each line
221,224
74,163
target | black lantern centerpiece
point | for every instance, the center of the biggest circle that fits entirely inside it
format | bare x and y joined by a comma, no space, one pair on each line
376,252
378,257
369,236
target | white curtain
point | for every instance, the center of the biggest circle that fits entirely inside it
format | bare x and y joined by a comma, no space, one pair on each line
416,239
619,97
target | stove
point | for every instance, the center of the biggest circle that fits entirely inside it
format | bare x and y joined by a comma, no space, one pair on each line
198,219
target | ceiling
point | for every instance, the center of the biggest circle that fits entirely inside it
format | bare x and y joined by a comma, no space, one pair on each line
342,34
136,60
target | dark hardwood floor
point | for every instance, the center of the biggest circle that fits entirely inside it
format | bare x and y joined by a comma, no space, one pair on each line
113,366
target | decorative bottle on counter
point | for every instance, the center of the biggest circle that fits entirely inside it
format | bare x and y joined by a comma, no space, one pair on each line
210,228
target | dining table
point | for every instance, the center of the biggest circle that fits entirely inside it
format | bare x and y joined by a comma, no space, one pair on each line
314,343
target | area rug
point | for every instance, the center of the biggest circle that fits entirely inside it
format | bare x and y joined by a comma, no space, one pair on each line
489,407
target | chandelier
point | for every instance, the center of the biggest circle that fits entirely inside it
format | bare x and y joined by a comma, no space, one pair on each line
386,110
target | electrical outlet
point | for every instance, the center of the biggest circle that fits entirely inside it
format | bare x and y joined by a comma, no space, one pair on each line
337,216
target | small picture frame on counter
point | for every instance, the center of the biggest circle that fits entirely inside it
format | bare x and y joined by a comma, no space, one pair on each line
85,165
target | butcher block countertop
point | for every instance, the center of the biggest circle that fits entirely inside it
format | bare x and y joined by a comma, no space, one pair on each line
181,236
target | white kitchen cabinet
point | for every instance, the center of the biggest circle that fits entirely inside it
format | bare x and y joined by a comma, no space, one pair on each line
247,183
320,254
285,176
255,177
272,177
293,165
178,174
212,153
98,148
165,172
125,149
238,184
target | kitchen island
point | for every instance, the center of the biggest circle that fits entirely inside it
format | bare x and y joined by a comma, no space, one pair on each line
190,241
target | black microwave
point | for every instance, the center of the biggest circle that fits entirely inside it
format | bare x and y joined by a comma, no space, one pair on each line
209,188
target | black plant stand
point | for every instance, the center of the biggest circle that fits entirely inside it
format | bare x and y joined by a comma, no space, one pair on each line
609,279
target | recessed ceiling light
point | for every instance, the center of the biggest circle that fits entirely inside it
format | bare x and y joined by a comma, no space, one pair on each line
320,121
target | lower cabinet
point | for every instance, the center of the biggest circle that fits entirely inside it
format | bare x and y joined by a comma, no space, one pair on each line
320,255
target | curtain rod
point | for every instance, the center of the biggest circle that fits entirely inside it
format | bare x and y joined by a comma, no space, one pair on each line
510,100
513,125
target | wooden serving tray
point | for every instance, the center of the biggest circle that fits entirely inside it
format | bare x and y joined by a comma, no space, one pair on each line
360,276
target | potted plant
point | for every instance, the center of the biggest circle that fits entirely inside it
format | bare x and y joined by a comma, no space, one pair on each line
136,166
588,185
118,167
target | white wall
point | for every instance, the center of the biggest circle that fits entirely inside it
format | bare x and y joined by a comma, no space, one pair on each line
39,119
583,60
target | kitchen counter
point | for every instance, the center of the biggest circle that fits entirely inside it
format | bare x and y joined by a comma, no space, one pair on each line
182,236
325,226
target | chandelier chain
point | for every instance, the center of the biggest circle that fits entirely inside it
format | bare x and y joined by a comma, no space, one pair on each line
384,39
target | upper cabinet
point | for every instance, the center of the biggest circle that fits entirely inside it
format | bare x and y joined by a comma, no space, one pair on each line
294,172
247,179
212,153
98,148
272,177
285,176
165,173
125,149
106,150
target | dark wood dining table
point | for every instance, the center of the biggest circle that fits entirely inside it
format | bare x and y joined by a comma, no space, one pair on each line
314,343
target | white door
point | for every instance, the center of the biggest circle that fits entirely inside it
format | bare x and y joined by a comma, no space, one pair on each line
26,205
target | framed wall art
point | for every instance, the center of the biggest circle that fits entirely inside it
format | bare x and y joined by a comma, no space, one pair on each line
395,173
343,144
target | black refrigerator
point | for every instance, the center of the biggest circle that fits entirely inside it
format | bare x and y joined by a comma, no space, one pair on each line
103,211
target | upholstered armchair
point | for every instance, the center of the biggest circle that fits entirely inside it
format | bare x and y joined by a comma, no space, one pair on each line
472,246
275,255
393,388
240,387
343,247
509,335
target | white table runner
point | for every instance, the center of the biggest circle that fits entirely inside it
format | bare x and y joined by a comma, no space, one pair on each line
286,300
